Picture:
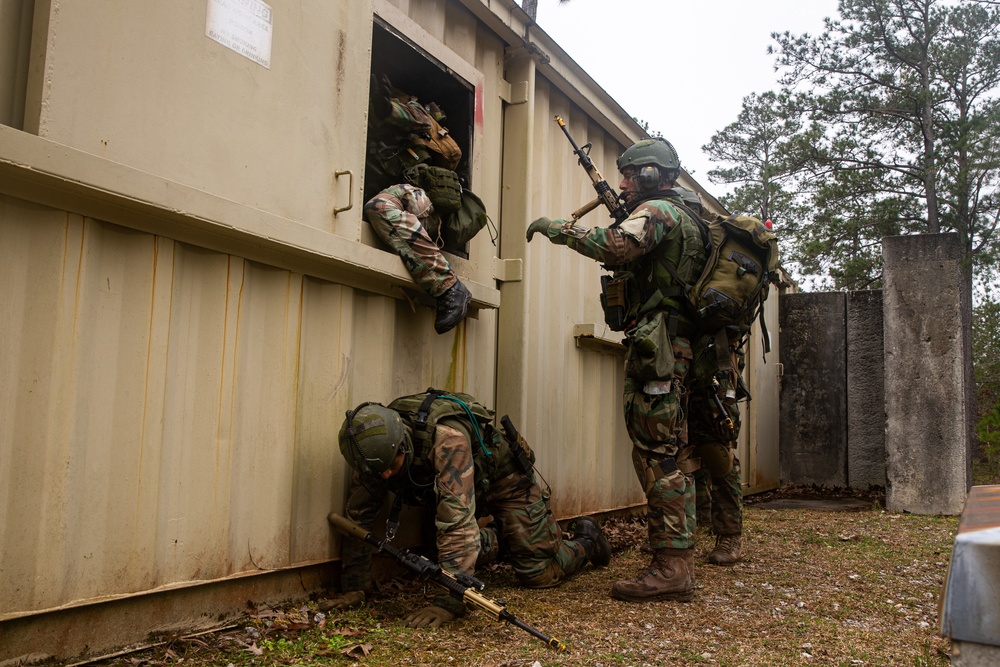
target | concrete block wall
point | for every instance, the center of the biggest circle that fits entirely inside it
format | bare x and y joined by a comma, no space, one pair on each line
877,387
928,379
813,389
865,390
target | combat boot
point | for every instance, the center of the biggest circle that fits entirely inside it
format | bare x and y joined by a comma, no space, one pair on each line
589,534
669,577
451,307
728,550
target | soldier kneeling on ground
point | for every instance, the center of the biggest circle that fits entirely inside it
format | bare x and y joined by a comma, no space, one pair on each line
440,449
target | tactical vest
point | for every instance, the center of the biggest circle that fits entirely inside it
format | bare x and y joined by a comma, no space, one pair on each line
656,281
491,455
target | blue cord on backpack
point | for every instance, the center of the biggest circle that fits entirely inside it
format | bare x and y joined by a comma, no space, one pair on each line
472,418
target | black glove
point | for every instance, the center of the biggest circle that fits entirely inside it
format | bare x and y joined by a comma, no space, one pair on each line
379,101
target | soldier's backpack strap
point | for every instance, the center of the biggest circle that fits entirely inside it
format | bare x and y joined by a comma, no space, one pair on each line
422,431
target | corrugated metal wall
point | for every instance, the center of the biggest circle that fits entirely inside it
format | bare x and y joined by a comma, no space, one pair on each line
170,413
186,321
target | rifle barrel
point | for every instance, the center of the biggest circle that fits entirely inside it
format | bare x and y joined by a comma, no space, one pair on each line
551,642
429,571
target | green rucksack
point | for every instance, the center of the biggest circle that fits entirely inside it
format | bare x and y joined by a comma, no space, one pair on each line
460,226
740,266
491,455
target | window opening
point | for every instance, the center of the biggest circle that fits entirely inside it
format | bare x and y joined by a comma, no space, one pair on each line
406,74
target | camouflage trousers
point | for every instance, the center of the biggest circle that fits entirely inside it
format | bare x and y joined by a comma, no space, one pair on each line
403,217
655,417
720,487
527,533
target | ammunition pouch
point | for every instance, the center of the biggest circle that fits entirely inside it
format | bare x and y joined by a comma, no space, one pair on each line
441,185
614,301
461,226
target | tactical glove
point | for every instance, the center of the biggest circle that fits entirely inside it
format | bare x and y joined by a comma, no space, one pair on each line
379,100
348,600
429,617
541,225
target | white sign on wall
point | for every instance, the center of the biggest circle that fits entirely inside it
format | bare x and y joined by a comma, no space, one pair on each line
243,26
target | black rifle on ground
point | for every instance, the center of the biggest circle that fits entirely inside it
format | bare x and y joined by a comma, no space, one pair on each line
462,586
605,193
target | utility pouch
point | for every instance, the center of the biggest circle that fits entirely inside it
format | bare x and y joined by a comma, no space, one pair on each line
441,185
614,301
651,352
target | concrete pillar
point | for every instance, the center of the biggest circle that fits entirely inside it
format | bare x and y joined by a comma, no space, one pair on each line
928,378
813,429
865,391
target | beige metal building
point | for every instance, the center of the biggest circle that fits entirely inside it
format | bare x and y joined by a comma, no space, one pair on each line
191,298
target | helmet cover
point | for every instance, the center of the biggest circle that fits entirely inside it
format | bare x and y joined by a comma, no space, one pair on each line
371,437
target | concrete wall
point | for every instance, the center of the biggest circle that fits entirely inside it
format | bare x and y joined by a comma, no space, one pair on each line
877,386
813,421
927,388
865,391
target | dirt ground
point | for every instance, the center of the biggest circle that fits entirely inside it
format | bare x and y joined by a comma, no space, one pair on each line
827,579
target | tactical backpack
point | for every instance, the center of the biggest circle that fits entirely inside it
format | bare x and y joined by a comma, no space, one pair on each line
734,284
740,258
491,454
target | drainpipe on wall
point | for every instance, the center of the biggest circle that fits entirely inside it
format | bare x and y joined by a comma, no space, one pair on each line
516,208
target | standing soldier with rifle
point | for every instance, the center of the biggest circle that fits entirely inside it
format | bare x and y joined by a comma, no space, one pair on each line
440,449
653,249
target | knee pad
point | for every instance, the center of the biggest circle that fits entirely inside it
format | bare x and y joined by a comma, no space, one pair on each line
717,458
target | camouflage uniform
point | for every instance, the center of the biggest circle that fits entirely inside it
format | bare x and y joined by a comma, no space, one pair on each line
713,441
403,216
654,409
533,540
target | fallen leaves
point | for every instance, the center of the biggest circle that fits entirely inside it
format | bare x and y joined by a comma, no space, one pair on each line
855,587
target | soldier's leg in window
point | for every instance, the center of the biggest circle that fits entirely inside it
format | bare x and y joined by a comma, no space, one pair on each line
397,215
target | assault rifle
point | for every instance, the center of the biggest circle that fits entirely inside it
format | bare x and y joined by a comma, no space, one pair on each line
461,586
605,193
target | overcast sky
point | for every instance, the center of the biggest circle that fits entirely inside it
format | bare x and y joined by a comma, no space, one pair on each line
715,47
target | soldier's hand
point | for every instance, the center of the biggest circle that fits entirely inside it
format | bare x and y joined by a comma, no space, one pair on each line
541,225
428,617
381,106
348,600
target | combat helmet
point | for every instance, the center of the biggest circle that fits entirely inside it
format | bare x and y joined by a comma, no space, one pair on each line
371,437
659,152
